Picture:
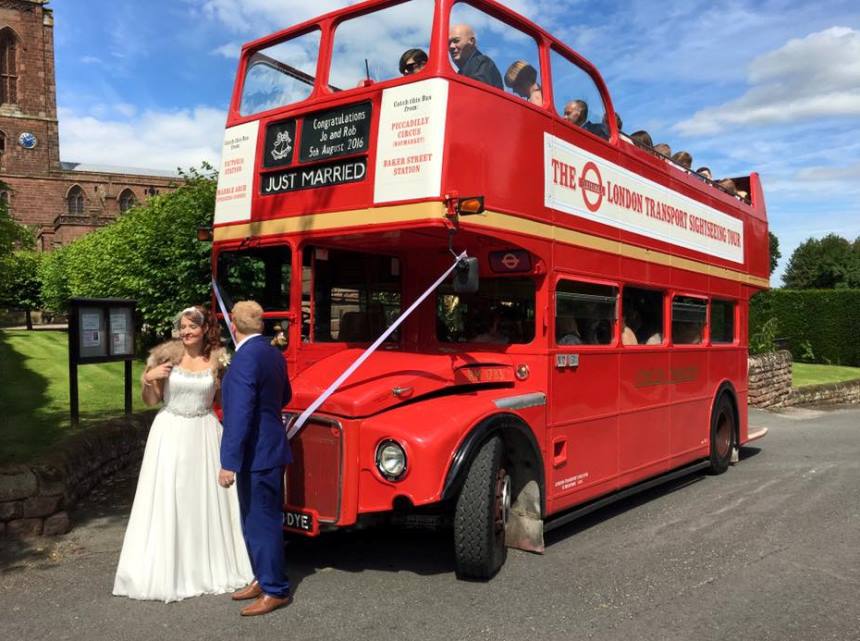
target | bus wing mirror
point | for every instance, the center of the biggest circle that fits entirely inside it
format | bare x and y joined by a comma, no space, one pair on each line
466,276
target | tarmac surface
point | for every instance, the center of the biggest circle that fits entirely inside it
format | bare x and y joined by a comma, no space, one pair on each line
769,550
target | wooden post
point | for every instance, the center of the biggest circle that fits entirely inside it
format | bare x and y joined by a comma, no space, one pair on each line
127,387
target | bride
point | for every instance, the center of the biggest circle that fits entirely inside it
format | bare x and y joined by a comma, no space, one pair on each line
184,536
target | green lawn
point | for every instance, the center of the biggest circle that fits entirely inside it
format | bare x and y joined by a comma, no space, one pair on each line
34,392
803,374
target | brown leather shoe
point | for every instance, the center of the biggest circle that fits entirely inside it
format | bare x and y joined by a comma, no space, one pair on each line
264,604
250,591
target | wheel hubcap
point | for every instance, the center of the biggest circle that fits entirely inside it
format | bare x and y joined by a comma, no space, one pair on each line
723,435
503,500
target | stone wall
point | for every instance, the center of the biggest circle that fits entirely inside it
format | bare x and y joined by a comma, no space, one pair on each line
828,394
770,379
35,498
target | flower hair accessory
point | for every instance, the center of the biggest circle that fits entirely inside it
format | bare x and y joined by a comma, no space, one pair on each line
191,312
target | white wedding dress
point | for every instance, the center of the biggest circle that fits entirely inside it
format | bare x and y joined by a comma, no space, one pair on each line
184,535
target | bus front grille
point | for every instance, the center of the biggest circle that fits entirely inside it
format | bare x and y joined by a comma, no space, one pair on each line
314,476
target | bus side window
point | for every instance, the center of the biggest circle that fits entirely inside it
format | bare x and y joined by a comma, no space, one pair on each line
488,50
722,321
584,313
576,97
688,320
642,310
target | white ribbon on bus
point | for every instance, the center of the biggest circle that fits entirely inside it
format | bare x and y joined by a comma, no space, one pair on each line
224,312
302,419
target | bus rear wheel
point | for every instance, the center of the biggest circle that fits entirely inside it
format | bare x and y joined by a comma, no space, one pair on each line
481,515
722,434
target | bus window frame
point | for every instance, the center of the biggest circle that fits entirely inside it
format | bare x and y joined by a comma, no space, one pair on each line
336,22
591,71
314,243
531,276
525,27
706,328
736,334
250,49
665,296
573,277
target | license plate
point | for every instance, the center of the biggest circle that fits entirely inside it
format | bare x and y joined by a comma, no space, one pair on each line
303,522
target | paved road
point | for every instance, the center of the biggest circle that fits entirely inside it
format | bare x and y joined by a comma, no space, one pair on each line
770,550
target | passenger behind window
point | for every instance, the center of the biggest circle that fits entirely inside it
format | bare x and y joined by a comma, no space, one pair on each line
567,331
705,172
632,323
683,158
493,332
728,185
597,330
663,149
576,111
642,139
412,61
463,47
602,129
522,78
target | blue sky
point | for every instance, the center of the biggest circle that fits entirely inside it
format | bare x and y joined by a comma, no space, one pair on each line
770,86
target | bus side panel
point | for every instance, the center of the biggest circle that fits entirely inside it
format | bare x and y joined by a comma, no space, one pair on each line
691,403
643,423
582,456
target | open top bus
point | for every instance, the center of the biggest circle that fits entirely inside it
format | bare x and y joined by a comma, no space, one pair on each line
602,346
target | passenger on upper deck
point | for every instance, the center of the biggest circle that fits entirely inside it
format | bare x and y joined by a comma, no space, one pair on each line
642,139
412,61
463,47
576,111
522,78
683,158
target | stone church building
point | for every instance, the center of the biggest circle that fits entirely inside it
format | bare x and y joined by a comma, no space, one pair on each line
65,200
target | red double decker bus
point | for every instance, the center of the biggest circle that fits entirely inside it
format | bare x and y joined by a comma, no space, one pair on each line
593,343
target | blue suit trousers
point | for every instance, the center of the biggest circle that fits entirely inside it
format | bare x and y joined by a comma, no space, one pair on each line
261,503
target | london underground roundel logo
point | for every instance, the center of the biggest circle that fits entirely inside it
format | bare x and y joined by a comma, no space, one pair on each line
591,184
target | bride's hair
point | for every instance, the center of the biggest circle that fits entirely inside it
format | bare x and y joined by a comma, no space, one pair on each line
203,317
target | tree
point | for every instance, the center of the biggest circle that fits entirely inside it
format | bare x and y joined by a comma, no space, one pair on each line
150,254
831,262
775,254
20,287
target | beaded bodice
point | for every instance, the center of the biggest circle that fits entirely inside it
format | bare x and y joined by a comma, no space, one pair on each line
189,393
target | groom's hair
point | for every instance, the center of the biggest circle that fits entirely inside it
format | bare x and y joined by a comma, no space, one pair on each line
248,317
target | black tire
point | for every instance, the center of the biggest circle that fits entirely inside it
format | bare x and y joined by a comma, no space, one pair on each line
723,431
481,515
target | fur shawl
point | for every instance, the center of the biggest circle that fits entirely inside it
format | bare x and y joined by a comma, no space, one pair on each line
171,352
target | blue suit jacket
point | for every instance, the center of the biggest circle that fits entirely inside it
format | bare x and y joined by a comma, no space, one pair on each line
481,67
253,393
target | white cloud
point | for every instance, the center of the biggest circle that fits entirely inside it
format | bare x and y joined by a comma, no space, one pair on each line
152,140
229,50
264,16
806,79
849,174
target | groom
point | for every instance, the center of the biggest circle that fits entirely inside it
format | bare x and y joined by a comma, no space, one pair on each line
254,451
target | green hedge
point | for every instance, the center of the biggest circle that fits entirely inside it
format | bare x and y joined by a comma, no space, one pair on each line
819,325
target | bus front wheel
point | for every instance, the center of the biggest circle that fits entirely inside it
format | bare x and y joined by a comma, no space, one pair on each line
722,434
481,515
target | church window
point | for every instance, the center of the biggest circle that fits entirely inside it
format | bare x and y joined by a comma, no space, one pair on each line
127,200
76,201
2,142
8,67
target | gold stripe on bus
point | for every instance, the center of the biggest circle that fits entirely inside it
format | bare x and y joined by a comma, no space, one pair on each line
490,219
334,220
506,222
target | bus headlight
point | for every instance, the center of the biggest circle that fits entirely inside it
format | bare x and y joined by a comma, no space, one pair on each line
390,460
